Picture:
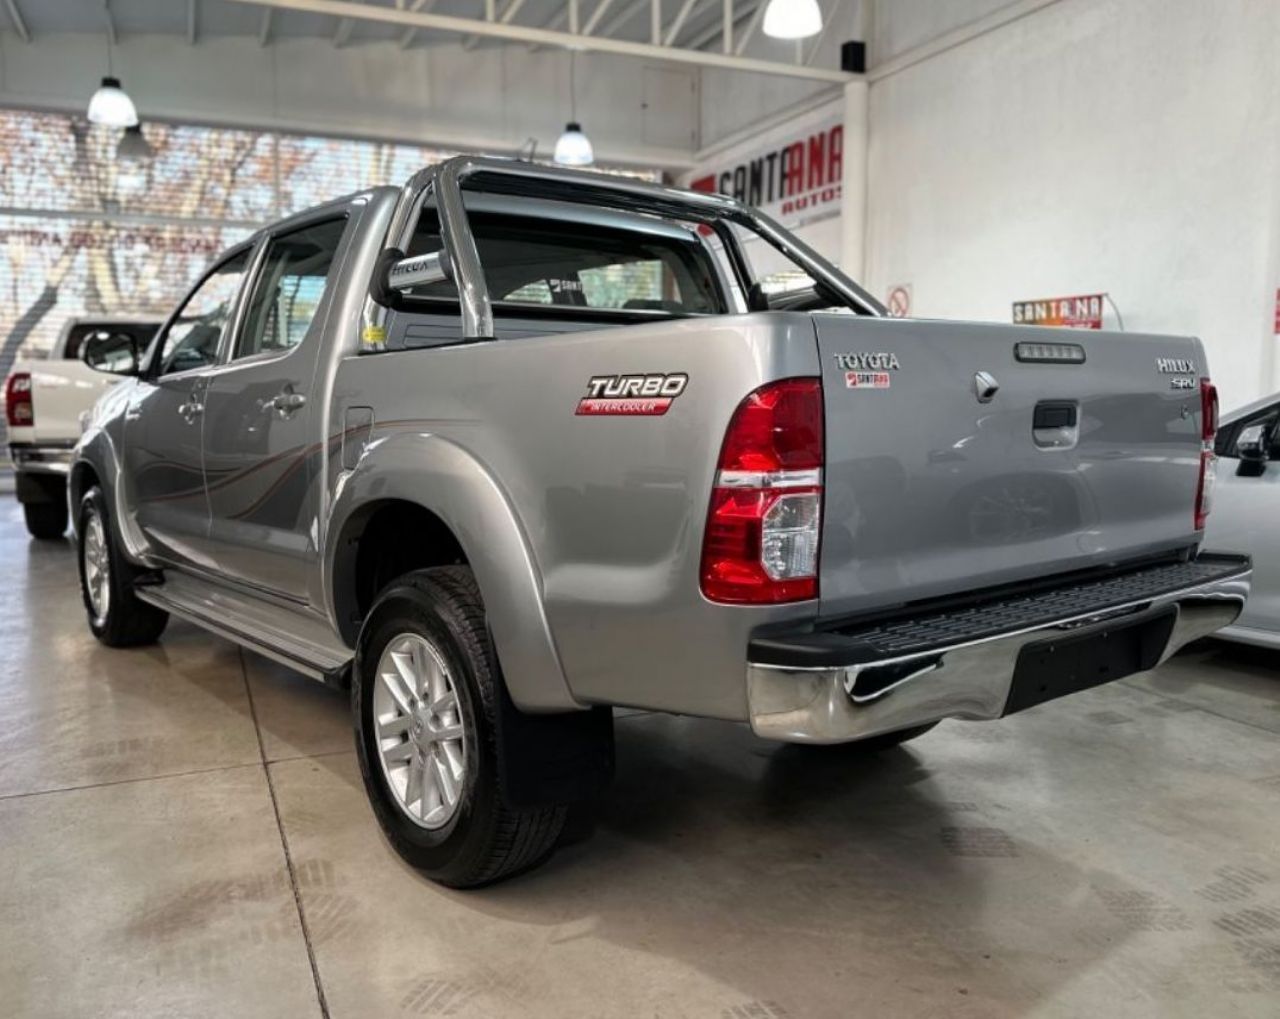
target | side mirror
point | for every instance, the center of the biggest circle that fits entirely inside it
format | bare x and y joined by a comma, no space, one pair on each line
1253,447
113,353
395,275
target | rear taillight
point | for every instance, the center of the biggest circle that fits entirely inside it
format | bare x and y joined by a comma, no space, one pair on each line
761,542
17,401
1208,459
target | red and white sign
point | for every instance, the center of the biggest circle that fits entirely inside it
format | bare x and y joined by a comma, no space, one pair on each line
899,301
1082,312
794,173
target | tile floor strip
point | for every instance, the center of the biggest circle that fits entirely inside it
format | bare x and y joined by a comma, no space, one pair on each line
284,845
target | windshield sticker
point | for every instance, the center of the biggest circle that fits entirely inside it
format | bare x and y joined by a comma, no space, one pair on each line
631,395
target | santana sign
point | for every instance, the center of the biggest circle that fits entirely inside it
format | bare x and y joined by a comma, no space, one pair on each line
1084,312
798,181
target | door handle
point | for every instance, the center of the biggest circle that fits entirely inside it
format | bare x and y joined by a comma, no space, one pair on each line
285,403
191,410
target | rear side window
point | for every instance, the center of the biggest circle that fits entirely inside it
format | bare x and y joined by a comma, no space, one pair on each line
573,265
289,288
193,338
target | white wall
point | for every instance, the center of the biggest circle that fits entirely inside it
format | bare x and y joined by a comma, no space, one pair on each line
1127,146
490,98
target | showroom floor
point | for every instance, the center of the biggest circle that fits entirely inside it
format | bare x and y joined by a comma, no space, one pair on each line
168,814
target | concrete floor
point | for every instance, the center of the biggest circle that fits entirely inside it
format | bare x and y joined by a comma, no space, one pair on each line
183,833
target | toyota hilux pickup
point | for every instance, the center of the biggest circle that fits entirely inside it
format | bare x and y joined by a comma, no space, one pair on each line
511,446
47,398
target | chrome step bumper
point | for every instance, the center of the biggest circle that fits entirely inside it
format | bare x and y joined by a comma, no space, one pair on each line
836,686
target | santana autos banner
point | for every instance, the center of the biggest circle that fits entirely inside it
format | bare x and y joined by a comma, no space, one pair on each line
793,173
1083,312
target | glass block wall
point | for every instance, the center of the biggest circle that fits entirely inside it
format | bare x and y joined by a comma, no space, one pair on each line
83,232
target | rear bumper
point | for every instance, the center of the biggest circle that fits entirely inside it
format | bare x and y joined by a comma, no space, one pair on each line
989,660
41,459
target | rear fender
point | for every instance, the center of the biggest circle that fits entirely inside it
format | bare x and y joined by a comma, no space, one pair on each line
440,476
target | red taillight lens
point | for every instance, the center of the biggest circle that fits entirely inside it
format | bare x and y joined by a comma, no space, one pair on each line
1208,459
1208,410
776,428
764,525
17,401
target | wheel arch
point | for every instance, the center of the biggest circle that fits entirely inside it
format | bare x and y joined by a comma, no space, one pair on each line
411,481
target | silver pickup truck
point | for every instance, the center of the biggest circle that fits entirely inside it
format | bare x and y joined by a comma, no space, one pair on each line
512,445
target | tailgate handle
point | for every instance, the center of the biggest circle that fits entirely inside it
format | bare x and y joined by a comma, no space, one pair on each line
1054,415
1055,424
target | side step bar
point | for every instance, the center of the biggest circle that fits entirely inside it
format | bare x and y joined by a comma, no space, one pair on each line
289,637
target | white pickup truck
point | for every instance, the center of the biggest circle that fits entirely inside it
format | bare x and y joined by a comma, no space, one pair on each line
46,398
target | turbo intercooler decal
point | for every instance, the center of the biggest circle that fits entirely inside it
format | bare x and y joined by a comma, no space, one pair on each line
631,395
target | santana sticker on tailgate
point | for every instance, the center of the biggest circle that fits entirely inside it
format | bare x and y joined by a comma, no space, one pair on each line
631,395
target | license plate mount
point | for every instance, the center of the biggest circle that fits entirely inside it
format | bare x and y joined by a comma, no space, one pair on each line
1055,667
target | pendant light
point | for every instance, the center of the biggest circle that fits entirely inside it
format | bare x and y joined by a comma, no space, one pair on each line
111,105
792,19
134,147
574,147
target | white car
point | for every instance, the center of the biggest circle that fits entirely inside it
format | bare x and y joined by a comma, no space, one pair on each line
1246,513
45,399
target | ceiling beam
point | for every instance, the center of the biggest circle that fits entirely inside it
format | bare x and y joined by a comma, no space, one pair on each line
673,33
193,22
525,34
423,6
554,25
602,8
264,29
621,19
19,25
752,27
716,29
511,10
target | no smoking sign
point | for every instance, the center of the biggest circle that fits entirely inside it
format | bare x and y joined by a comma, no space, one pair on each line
899,302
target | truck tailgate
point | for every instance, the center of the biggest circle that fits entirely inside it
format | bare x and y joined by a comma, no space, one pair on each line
62,390
936,483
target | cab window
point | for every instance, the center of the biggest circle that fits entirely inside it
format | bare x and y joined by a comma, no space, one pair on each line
289,288
583,266
193,338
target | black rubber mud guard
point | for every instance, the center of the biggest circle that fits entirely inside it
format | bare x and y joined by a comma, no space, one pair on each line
554,759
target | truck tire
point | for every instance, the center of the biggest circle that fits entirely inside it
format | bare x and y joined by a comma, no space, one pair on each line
426,693
117,616
46,520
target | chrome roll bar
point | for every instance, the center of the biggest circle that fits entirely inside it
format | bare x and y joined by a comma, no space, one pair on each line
446,182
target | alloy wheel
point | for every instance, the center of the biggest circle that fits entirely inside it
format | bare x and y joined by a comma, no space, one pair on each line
421,738
97,567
